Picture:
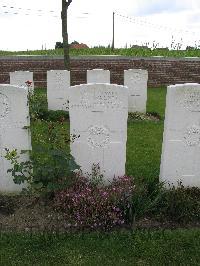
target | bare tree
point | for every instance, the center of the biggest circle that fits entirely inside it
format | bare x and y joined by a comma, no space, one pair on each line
65,5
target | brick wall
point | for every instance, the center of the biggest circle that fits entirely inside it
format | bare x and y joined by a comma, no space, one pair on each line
162,71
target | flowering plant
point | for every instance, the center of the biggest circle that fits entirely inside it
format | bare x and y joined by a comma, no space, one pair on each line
87,204
28,83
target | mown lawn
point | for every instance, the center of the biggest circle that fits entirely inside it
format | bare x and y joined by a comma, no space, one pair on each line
140,247
144,138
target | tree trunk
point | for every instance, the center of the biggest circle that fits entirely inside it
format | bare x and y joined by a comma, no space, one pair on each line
65,6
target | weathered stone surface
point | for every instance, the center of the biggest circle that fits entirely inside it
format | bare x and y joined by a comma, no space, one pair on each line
20,78
98,123
180,159
58,83
98,76
14,134
136,81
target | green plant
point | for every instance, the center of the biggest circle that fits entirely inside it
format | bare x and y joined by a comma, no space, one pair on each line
136,116
145,199
54,116
38,109
37,105
91,204
181,204
50,166
175,51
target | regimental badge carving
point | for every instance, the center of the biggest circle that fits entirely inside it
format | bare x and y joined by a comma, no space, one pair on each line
4,105
192,136
99,136
191,100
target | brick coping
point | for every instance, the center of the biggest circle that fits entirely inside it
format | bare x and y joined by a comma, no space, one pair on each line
97,57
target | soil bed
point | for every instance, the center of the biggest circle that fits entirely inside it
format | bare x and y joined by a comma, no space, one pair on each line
26,213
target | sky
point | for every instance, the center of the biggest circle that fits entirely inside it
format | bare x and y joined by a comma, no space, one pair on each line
36,24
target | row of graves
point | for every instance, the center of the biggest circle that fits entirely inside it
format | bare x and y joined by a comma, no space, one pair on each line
98,116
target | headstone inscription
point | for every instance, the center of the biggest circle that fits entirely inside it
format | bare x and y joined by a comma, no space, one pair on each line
98,76
20,78
181,139
136,81
14,131
98,126
58,83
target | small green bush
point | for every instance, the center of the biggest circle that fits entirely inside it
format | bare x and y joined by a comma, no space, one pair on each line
51,165
146,197
38,109
180,204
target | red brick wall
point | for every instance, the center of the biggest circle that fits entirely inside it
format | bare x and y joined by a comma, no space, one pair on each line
162,71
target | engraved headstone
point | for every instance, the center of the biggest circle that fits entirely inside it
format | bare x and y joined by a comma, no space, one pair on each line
20,78
98,76
180,160
58,83
136,81
14,132
98,127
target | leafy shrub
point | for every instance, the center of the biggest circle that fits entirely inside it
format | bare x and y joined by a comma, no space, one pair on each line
145,200
136,116
92,205
54,116
38,109
37,105
50,167
180,204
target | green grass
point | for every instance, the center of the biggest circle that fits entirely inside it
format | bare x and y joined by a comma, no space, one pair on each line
144,149
144,137
176,247
144,142
139,247
107,51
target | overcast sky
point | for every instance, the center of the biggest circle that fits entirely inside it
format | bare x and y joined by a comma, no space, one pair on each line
35,24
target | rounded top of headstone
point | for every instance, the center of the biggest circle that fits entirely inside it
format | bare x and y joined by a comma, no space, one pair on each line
135,70
96,69
184,85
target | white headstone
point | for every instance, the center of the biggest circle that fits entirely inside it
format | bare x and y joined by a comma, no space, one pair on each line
98,121
20,78
136,81
180,160
98,76
58,83
14,134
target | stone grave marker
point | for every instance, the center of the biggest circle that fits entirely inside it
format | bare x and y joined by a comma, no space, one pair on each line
58,83
14,134
136,81
20,78
180,160
98,76
98,127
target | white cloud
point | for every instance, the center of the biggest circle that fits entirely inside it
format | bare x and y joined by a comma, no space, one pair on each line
21,32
